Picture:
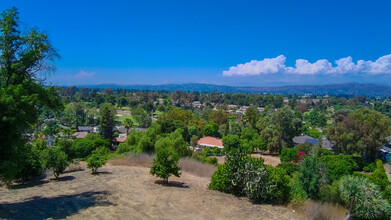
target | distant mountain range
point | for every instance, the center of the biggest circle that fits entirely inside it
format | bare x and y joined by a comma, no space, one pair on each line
334,89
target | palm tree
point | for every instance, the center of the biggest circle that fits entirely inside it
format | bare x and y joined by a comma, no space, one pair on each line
128,123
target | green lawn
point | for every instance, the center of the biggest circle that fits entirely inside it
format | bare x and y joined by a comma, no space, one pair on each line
120,119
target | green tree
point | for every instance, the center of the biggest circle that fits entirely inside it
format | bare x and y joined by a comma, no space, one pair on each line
128,124
166,163
252,116
283,121
97,159
122,102
107,121
211,129
363,131
289,155
363,198
55,159
231,142
309,176
24,57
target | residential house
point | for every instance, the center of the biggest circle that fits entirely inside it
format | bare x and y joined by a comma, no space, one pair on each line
209,142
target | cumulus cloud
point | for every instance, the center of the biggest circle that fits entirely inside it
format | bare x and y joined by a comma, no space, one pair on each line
302,66
83,75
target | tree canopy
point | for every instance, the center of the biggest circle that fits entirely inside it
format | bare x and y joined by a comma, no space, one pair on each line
25,57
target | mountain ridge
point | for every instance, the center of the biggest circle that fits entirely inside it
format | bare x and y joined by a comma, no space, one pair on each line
331,89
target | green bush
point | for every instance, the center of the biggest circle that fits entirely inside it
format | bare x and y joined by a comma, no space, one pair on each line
330,193
309,176
279,185
97,159
379,176
81,148
202,157
306,148
338,166
289,155
370,167
314,133
289,168
364,199
123,148
320,152
298,195
219,180
55,159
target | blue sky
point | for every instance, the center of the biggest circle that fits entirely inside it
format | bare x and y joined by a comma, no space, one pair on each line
158,42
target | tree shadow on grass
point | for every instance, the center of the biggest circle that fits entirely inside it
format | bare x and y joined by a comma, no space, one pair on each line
53,207
101,173
63,178
172,184
30,183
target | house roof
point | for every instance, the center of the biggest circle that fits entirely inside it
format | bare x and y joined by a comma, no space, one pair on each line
211,141
81,134
305,139
121,139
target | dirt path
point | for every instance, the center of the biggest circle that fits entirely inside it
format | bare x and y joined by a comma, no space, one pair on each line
387,167
129,192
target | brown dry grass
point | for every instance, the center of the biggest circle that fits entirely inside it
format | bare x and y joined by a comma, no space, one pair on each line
145,160
142,160
129,192
196,168
312,210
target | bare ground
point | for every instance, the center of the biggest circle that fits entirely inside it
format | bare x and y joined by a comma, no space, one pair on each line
128,192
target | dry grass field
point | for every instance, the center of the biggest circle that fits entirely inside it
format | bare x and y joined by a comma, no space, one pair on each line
124,189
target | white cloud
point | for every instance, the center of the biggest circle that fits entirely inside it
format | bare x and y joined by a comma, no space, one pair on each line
323,66
84,75
266,66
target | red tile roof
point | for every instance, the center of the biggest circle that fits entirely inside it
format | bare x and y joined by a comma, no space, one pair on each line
121,139
210,141
81,134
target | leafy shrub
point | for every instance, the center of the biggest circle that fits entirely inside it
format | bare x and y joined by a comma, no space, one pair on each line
330,193
314,133
231,142
320,151
97,159
298,195
370,167
309,176
338,166
202,157
123,148
379,176
279,185
257,186
306,147
55,159
289,168
363,198
216,151
219,180
81,148
289,155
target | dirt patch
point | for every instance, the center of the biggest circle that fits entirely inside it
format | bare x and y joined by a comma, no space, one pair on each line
272,160
129,192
